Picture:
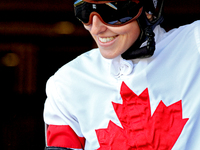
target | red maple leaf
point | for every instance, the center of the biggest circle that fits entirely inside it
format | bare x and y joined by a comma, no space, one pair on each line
140,130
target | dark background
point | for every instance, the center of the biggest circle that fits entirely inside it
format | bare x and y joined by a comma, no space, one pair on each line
36,38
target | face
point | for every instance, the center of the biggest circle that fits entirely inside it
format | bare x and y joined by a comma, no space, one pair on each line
113,41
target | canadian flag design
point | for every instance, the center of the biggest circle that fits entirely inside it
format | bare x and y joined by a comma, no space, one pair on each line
139,129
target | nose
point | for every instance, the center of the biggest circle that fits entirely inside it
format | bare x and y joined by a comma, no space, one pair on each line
97,26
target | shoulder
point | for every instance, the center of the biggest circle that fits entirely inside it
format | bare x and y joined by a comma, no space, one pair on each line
189,33
87,56
180,42
188,28
72,76
75,81
191,29
83,61
79,73
194,24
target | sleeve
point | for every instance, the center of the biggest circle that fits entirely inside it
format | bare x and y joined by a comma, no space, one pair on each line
62,128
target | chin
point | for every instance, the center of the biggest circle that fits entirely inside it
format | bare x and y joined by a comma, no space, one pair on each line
109,55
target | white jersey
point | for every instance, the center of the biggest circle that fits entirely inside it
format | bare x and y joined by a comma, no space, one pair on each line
114,104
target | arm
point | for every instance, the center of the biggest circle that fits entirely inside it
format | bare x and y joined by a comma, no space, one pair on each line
62,128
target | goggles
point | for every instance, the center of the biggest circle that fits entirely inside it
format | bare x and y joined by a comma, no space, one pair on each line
113,13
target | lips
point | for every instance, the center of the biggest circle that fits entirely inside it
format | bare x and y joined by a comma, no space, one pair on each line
107,39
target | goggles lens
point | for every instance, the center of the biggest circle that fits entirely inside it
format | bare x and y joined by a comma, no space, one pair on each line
114,13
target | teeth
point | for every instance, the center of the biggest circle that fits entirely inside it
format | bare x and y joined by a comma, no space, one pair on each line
108,39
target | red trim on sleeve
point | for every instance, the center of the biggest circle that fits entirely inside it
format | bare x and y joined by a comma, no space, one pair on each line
64,136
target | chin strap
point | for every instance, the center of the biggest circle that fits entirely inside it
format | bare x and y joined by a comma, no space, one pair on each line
146,34
144,52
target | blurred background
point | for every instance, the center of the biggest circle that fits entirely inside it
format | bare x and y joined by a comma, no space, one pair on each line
36,38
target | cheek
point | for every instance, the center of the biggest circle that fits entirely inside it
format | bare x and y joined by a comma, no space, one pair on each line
132,29
130,33
134,34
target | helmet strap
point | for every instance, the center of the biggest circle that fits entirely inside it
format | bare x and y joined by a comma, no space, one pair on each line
146,34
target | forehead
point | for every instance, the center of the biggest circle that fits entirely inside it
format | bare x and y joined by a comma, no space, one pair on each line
107,1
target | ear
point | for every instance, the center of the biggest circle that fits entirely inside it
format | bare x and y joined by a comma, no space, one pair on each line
149,16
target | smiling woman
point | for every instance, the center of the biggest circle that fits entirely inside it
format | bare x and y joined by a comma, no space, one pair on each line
137,90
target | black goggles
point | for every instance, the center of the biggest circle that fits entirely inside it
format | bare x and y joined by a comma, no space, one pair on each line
113,13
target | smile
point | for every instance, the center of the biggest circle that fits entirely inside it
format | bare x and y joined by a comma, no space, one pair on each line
107,39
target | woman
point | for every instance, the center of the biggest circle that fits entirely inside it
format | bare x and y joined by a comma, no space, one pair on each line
117,96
